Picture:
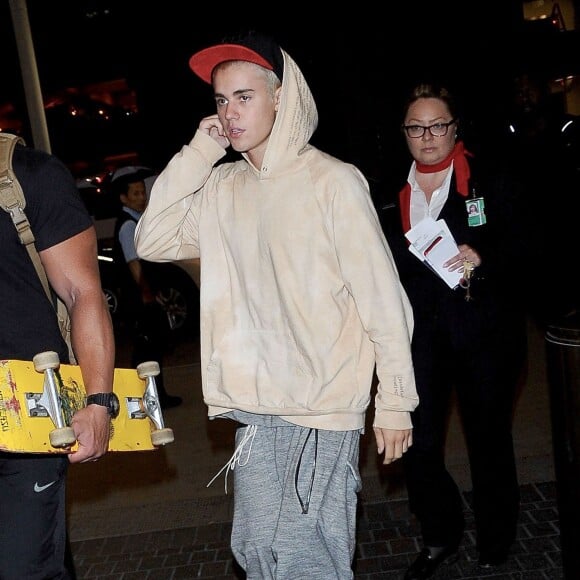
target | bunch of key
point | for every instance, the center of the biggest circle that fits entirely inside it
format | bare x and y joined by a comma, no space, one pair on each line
468,267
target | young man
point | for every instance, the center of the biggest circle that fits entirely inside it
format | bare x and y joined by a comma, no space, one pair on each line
299,300
145,316
32,487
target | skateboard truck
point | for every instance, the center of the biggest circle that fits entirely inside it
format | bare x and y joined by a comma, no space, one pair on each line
150,405
47,403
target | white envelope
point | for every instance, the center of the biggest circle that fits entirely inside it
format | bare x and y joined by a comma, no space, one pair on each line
432,242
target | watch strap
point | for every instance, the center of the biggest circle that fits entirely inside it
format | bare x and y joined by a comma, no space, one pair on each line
108,400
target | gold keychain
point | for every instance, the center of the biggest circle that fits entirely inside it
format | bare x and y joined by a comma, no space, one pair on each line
468,267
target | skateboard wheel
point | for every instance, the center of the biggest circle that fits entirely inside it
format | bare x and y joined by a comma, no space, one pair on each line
46,360
64,437
148,369
162,436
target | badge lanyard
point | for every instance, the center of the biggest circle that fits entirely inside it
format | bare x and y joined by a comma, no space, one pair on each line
475,207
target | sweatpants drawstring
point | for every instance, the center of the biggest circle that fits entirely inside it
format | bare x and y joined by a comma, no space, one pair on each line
306,504
250,432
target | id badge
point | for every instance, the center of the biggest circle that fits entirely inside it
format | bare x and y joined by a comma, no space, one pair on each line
475,212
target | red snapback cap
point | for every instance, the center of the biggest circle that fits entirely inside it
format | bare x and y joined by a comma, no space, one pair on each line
255,48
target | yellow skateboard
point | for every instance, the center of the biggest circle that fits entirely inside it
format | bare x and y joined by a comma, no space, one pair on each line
39,398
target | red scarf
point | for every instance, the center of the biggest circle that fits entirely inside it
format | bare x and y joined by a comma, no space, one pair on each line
459,156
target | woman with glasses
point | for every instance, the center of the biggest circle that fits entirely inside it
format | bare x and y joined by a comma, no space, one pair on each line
470,339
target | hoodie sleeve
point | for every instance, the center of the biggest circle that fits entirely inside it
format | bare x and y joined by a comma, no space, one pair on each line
168,229
372,278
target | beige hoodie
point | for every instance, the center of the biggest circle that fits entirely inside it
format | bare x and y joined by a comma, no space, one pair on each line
299,293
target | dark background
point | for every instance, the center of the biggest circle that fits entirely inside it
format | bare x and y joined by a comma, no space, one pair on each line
359,62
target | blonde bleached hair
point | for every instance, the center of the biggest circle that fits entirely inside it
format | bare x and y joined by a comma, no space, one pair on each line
272,80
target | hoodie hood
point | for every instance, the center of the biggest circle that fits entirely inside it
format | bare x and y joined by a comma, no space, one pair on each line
295,123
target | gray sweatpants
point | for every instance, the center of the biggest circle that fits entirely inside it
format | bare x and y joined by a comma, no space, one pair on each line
295,502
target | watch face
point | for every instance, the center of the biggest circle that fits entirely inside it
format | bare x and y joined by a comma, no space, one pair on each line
114,405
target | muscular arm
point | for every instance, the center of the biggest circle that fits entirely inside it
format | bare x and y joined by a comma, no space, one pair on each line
72,269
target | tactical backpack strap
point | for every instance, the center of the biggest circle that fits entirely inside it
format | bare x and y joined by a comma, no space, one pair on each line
12,197
13,201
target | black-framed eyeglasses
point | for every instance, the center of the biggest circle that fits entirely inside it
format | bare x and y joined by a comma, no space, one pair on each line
437,130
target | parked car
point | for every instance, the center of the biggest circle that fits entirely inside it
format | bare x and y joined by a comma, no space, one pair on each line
177,282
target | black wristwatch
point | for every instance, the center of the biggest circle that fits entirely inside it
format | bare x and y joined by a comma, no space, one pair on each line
108,400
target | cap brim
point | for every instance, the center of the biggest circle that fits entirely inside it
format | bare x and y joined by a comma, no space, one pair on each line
203,62
131,172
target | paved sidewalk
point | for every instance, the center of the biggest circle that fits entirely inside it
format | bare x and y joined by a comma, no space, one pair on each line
387,544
